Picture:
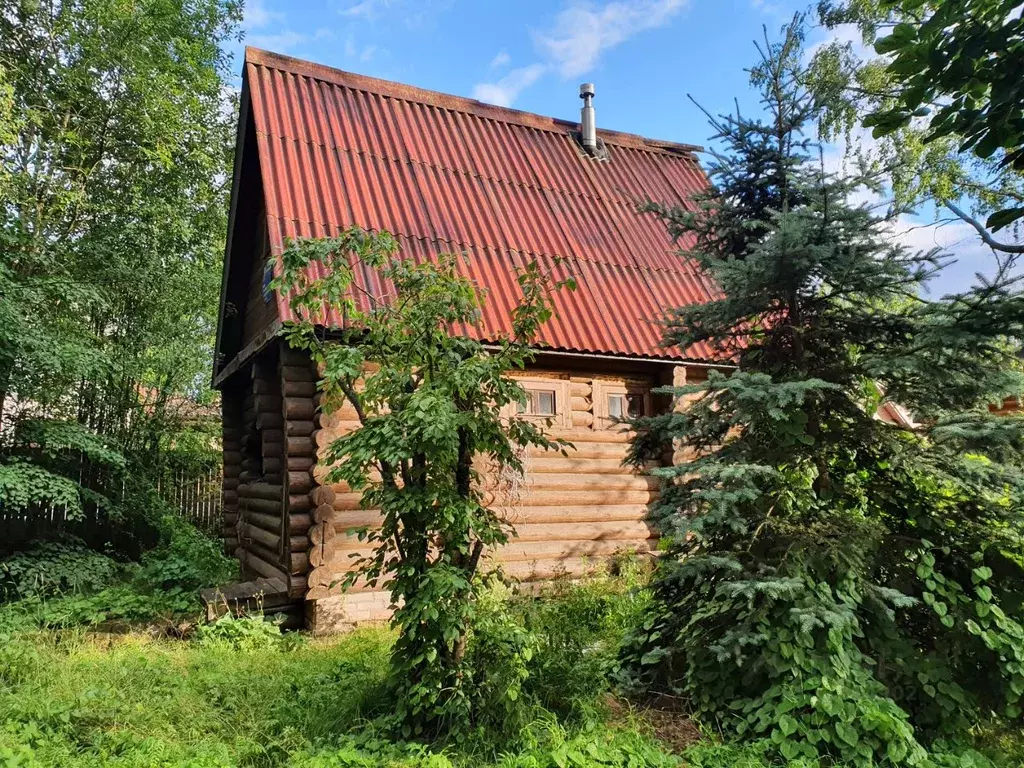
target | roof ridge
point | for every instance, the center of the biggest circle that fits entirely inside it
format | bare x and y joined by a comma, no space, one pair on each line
390,88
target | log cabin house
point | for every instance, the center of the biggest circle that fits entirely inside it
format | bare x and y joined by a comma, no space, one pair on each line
319,150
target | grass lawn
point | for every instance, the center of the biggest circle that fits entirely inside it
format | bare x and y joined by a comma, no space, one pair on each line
251,697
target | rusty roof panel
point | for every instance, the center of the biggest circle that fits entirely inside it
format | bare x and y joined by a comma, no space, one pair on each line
446,174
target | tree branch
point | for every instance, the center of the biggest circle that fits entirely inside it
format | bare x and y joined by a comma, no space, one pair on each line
986,236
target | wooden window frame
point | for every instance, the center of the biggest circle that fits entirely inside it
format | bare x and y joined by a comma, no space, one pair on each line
562,417
602,390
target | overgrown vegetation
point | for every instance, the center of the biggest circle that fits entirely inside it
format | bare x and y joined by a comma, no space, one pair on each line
241,693
115,138
432,407
69,585
838,589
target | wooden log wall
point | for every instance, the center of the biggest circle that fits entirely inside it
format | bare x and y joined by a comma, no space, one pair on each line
299,421
571,513
231,440
261,531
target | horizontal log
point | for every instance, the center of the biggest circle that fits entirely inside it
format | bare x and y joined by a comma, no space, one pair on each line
268,420
344,418
321,534
582,404
297,373
260,491
581,389
264,520
584,498
298,428
229,518
232,457
268,404
228,495
582,451
345,520
299,482
299,523
263,506
300,463
322,494
273,478
299,562
266,387
320,577
584,436
298,388
324,513
610,531
262,566
516,552
348,501
299,502
588,482
566,514
268,539
272,464
272,436
248,476
265,553
298,543
230,483
299,446
301,408
555,463
582,418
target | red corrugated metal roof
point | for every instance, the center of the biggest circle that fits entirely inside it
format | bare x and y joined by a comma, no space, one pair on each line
446,174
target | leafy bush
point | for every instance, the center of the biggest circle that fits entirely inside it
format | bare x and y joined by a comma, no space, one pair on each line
246,633
830,584
165,584
430,407
580,627
54,568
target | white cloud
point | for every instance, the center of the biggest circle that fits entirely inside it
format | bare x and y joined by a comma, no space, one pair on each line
582,32
363,53
411,13
287,39
257,16
366,9
504,91
768,8
500,60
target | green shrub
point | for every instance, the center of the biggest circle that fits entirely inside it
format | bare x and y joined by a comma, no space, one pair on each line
53,568
246,633
165,585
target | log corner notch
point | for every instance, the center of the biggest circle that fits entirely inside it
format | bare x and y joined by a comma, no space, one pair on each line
300,418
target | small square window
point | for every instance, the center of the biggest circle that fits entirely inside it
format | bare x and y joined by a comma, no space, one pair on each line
616,406
634,405
628,406
545,403
539,402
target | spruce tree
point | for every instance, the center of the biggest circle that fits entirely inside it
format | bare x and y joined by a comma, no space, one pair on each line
846,588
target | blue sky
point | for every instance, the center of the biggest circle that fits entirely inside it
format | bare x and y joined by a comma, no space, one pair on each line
644,56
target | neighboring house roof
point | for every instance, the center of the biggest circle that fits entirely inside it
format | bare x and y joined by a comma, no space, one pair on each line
448,174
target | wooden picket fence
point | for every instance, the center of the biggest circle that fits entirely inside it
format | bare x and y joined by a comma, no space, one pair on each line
196,496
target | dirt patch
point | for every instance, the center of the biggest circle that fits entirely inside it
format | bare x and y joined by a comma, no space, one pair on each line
667,722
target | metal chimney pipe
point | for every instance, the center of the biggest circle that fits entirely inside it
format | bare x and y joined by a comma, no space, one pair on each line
588,126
